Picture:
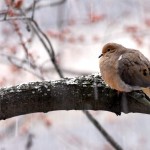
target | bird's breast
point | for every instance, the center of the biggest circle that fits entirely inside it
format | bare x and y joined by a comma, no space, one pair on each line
109,73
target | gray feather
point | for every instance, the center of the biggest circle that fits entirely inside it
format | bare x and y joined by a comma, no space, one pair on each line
134,69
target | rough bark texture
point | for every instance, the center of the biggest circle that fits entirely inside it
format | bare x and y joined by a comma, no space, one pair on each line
81,93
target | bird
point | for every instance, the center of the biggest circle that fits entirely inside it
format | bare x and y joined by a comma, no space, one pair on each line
124,69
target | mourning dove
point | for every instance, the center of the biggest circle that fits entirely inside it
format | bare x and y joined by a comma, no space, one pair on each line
125,69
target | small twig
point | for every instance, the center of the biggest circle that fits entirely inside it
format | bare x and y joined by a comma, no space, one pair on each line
58,3
44,5
38,6
3,12
5,15
20,64
16,18
17,29
32,72
33,9
29,143
102,130
50,50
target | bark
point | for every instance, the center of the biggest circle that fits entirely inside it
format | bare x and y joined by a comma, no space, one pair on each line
80,93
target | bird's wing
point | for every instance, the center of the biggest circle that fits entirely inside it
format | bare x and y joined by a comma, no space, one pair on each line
134,69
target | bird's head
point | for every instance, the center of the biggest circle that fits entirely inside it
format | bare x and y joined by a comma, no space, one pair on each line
110,48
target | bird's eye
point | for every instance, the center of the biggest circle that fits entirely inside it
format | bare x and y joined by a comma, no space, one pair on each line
108,49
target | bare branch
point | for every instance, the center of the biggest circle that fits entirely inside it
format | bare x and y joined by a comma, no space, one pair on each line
102,130
33,9
49,50
38,6
22,18
17,30
58,3
23,64
41,5
42,37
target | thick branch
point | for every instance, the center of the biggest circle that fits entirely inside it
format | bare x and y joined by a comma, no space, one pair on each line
81,93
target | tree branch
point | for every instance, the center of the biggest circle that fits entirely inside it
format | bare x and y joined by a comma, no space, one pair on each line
102,131
66,94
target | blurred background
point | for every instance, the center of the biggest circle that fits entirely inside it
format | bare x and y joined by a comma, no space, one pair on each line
77,30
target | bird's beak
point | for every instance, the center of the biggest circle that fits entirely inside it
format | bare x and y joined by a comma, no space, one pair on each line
100,56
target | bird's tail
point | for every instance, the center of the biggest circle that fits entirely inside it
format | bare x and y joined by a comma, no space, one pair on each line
146,91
